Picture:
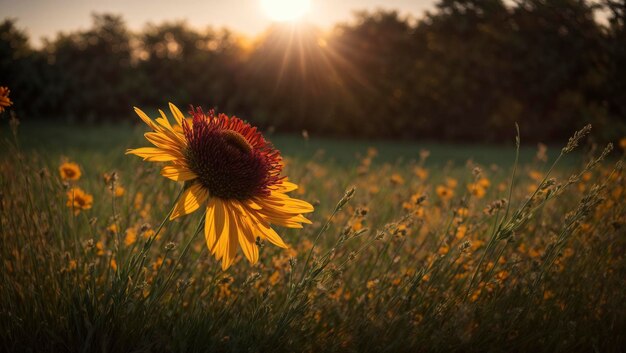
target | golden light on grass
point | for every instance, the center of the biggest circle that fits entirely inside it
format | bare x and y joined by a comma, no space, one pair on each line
232,173
285,10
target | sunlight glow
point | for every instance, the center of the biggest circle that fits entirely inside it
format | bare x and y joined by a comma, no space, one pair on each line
285,10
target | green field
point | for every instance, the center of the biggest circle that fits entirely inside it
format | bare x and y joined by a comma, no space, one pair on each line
449,252
112,140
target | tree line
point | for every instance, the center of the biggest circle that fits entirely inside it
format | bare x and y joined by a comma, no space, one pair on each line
467,70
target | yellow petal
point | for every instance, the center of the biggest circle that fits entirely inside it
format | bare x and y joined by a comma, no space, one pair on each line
153,154
178,173
247,241
232,246
286,186
211,224
221,230
145,118
190,201
283,204
177,114
164,141
266,232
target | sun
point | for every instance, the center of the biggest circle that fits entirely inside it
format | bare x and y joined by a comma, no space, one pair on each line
285,10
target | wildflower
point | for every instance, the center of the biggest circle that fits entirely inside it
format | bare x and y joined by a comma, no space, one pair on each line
148,233
119,191
5,101
401,230
461,231
357,224
451,183
484,182
274,278
421,173
69,171
109,178
131,236
112,229
138,201
113,265
157,263
230,170
99,248
397,179
502,275
477,190
444,193
462,212
622,143
78,200
535,175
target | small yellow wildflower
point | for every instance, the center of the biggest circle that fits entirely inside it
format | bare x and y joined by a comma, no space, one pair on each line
119,191
357,225
69,171
78,200
99,248
421,173
113,265
148,234
462,212
622,143
535,175
5,101
112,228
484,182
451,183
444,192
461,231
138,201
477,190
397,179
274,278
130,237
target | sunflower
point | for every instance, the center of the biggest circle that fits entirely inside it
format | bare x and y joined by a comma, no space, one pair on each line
78,200
5,101
69,171
230,171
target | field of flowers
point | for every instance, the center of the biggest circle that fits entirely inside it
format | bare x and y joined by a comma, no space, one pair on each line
400,255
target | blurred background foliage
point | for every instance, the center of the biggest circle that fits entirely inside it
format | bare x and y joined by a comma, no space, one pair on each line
466,71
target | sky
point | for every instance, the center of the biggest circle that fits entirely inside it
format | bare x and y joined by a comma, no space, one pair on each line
44,18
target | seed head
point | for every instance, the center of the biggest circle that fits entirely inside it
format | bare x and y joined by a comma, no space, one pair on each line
573,141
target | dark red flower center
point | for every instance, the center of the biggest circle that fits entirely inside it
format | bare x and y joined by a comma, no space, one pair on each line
230,157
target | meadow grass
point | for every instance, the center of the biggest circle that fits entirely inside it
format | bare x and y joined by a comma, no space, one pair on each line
409,250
